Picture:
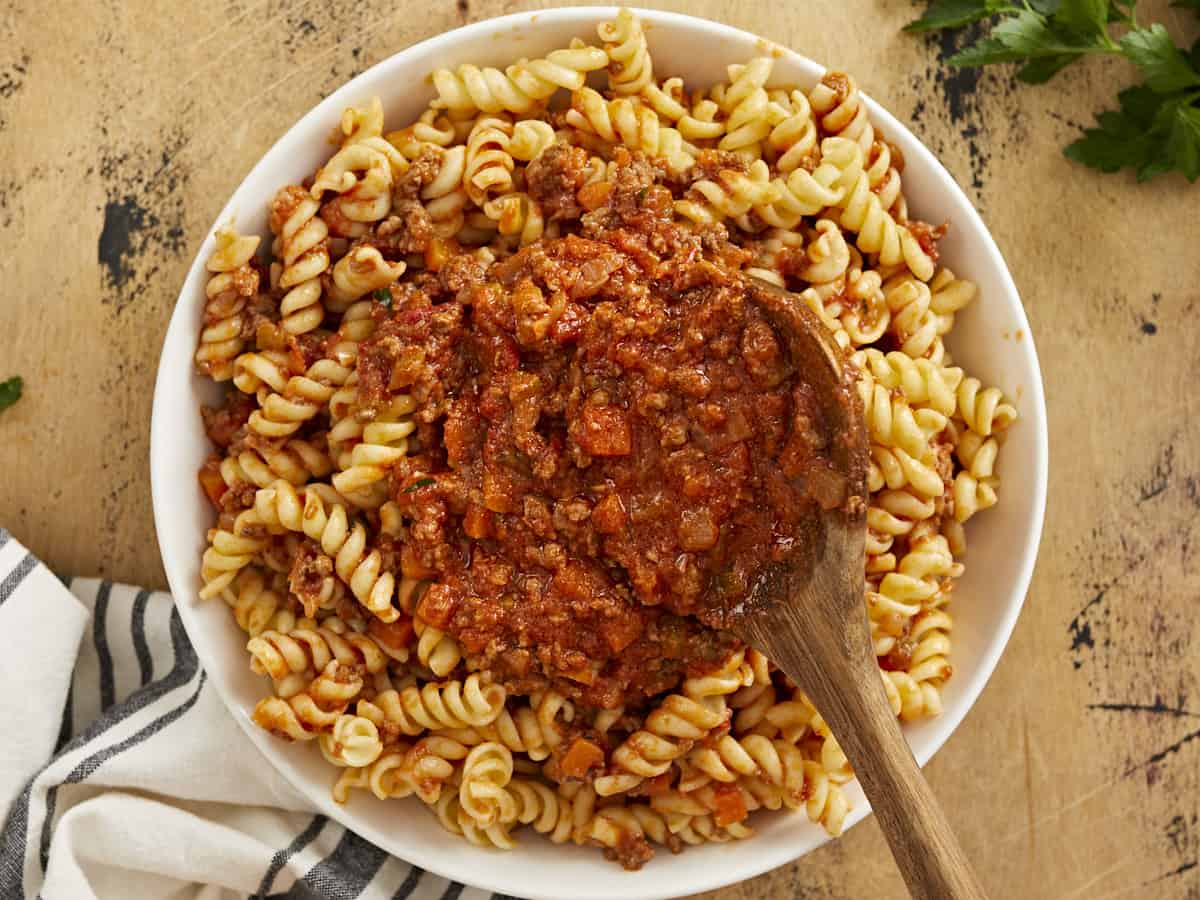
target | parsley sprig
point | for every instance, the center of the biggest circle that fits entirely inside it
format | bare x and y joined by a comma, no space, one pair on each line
10,391
1156,128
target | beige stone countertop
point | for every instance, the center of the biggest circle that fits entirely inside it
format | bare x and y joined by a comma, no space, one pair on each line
124,126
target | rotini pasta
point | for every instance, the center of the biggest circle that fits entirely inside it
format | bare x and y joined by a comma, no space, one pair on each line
483,794
233,281
302,248
422,525
630,69
522,87
630,122
354,741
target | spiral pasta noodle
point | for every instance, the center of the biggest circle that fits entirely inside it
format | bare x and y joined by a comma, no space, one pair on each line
864,214
282,413
630,69
628,121
840,112
750,114
520,88
732,194
254,600
228,553
436,650
302,248
232,283
353,741
455,819
470,703
794,139
307,714
296,461
649,752
483,794
281,654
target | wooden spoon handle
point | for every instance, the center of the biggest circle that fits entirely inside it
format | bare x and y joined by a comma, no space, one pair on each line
926,851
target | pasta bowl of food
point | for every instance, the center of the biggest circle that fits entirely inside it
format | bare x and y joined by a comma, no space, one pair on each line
492,441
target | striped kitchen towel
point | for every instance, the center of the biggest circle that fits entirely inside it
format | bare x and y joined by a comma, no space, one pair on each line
122,775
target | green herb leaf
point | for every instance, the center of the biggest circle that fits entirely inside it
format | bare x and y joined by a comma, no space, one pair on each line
953,14
1083,15
1108,152
1151,134
1165,67
1123,138
985,52
1042,70
10,391
1026,32
418,484
384,296
1183,145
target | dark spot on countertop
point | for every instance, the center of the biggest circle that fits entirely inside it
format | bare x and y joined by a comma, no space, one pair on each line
1169,750
1149,327
1160,477
964,93
12,76
143,215
1073,123
123,219
464,9
1175,873
1179,833
1094,618
343,69
1158,708
1080,631
12,79
1191,486
299,32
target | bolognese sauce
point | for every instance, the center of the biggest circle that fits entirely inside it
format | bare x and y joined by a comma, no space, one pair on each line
612,443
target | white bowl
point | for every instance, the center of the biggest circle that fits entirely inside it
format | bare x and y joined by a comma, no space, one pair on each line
991,340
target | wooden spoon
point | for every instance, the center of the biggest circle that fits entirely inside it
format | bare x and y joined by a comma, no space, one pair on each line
808,616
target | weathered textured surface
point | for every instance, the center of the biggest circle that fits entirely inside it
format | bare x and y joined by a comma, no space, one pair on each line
123,127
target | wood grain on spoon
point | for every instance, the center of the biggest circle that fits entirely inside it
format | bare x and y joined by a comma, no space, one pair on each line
808,616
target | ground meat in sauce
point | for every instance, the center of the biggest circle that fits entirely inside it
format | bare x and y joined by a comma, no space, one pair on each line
408,229
310,569
555,176
227,422
623,445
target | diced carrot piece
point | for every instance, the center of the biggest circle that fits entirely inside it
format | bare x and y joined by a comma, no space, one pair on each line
603,431
212,482
411,565
477,523
659,784
438,251
591,196
608,515
581,756
728,805
394,635
437,606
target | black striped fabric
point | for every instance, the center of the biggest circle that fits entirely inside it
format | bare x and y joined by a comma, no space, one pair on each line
130,774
